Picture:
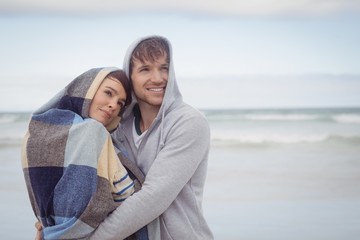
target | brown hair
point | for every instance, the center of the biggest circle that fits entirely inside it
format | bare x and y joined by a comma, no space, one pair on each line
124,80
150,49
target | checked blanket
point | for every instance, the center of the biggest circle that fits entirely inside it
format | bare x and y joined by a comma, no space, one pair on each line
72,170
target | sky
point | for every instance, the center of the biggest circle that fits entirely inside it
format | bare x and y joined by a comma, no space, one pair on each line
227,54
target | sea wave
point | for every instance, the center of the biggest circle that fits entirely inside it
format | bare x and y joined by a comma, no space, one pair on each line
14,117
338,118
8,118
282,117
347,118
258,140
342,116
250,140
10,141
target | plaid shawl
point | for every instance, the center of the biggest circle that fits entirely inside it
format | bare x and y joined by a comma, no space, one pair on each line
71,167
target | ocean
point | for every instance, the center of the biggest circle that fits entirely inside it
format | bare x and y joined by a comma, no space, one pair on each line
272,174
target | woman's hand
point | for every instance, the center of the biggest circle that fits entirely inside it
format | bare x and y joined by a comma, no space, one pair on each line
39,228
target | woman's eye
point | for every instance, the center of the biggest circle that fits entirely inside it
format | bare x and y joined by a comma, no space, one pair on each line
121,104
108,93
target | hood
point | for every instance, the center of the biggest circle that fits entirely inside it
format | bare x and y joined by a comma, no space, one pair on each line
78,94
172,93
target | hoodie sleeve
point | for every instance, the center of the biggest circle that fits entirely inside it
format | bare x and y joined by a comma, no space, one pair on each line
186,147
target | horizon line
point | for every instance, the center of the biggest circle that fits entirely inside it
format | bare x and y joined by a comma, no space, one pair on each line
235,108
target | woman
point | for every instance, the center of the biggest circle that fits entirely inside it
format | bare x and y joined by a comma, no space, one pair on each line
71,167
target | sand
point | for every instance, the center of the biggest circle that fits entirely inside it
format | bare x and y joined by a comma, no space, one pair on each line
293,192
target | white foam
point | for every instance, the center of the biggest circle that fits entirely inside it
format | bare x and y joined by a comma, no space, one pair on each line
8,118
259,138
281,117
347,118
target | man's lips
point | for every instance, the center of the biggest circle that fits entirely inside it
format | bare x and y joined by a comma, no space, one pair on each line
156,89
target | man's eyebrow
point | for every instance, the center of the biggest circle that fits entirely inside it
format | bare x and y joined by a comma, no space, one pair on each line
143,65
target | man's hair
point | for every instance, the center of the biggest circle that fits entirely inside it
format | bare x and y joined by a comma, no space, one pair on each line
150,49
125,82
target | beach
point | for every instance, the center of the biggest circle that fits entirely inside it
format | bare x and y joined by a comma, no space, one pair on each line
266,195
272,174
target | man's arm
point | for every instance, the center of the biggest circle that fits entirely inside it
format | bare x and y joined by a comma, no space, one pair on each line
186,146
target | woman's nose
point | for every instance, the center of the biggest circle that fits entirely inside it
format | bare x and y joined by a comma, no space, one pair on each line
112,104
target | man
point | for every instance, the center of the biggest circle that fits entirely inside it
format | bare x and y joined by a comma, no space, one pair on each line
169,140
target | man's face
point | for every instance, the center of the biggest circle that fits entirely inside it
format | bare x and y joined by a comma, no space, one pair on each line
149,80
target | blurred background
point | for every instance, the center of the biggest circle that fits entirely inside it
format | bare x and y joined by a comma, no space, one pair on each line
263,53
279,82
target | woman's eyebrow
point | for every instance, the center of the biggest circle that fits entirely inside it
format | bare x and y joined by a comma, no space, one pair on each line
116,92
112,89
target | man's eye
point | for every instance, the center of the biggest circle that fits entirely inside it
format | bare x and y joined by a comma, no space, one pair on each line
164,68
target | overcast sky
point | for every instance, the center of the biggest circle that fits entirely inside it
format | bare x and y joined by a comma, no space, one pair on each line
223,7
262,53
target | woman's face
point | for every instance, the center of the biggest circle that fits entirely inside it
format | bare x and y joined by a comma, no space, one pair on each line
108,101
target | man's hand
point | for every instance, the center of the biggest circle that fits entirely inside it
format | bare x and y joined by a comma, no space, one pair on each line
39,228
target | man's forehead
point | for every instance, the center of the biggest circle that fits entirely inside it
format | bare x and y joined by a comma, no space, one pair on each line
155,59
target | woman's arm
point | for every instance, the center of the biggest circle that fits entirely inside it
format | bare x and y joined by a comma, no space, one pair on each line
39,228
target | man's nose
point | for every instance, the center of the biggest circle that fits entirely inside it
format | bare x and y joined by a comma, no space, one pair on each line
156,76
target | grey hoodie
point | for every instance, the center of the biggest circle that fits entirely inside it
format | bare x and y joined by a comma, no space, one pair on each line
173,155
